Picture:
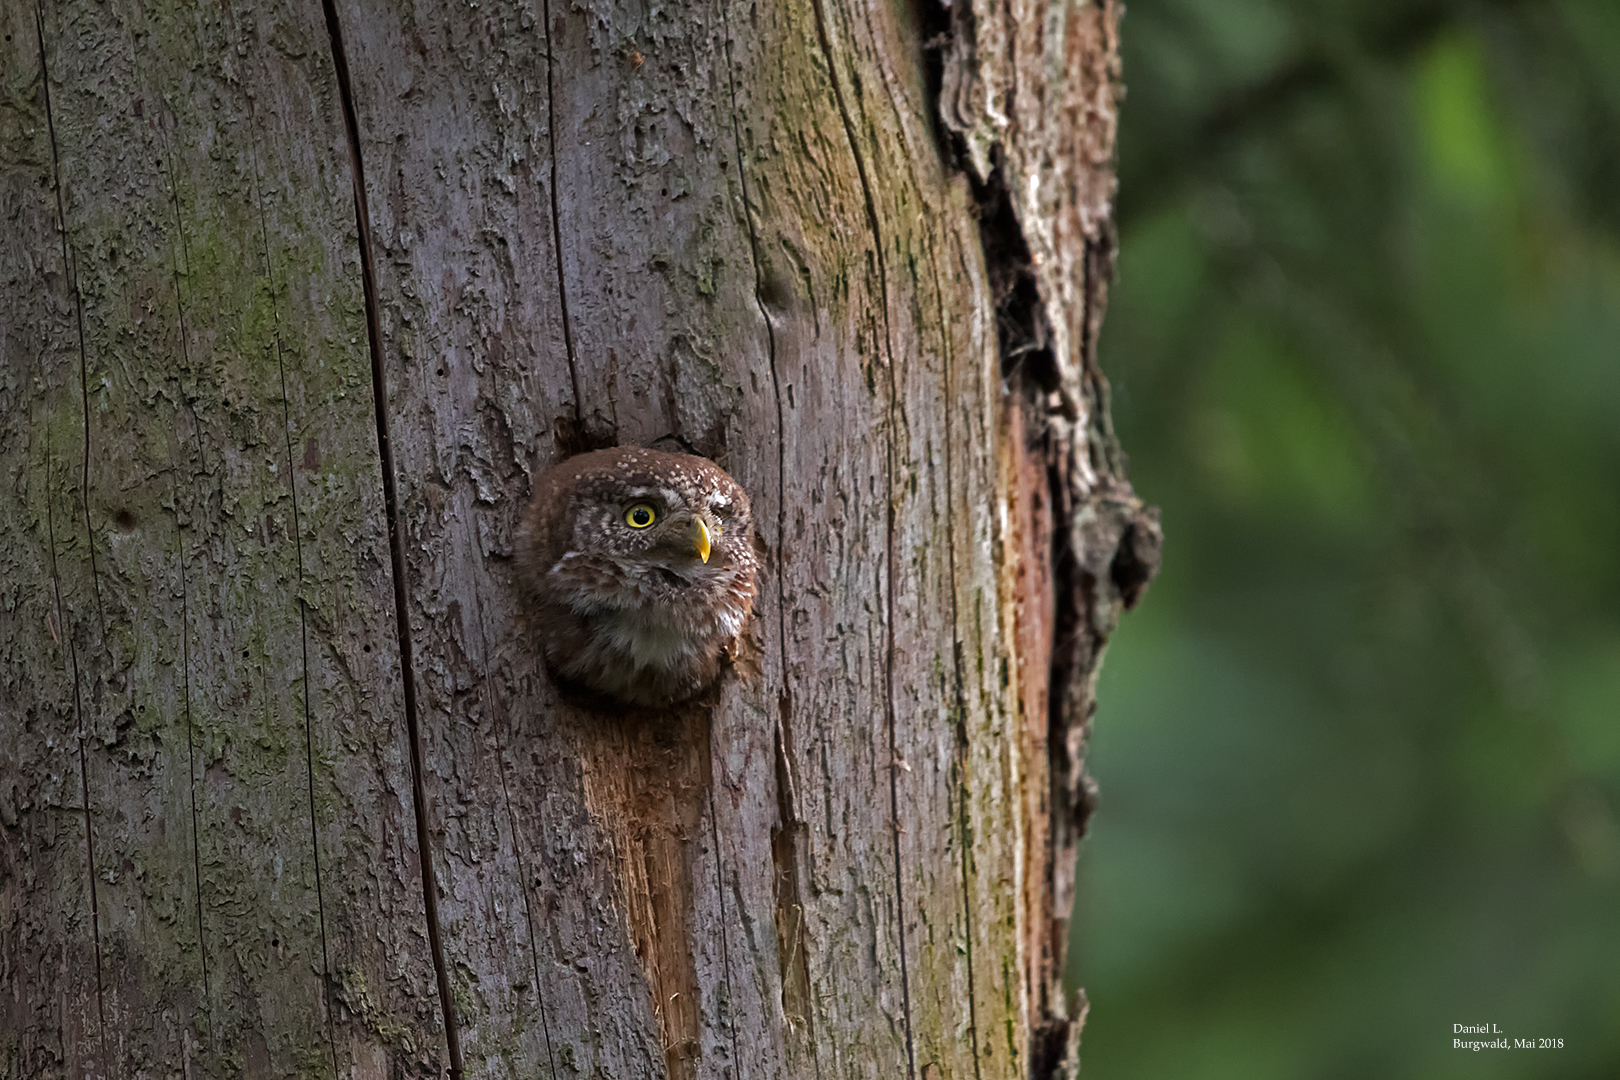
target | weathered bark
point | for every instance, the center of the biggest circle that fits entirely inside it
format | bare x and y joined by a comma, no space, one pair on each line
298,299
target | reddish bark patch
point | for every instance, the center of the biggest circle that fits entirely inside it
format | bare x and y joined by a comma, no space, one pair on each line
648,783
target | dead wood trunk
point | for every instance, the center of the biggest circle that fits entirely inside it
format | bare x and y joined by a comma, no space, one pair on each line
296,301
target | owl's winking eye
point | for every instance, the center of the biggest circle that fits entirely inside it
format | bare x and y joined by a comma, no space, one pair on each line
640,516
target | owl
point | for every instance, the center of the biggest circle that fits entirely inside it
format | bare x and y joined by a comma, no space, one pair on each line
637,569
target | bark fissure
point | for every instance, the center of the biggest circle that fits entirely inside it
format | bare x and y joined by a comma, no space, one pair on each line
50,525
725,947
185,616
396,550
770,340
69,267
793,958
502,749
959,686
556,225
528,915
84,783
791,939
824,39
303,607
191,760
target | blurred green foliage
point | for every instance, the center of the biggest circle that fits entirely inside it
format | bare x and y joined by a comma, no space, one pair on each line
1359,748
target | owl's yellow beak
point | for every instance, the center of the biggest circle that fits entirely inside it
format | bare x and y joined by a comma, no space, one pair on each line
700,539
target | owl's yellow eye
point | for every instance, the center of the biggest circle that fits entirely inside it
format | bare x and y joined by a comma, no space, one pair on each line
640,516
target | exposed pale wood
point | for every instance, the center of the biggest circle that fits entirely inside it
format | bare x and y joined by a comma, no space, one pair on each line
740,230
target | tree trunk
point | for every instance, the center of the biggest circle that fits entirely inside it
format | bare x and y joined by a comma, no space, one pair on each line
296,303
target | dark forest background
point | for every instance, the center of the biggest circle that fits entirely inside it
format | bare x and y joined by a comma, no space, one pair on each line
1359,749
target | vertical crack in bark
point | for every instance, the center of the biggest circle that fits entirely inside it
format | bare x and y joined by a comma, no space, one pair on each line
501,750
792,939
824,39
528,910
781,511
185,617
960,765
191,767
309,735
84,783
556,224
725,948
70,268
396,549
303,608
50,527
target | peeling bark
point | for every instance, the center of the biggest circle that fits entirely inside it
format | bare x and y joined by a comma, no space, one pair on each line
298,299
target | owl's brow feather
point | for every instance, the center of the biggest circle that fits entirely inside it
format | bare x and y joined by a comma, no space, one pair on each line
669,497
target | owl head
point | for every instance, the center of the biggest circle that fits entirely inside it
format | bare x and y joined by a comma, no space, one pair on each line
639,571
